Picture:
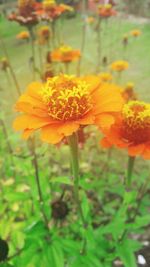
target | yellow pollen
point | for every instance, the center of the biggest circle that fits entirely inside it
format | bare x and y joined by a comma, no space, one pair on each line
66,98
65,49
136,120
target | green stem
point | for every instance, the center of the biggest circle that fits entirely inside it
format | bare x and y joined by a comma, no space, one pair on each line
130,170
67,65
73,143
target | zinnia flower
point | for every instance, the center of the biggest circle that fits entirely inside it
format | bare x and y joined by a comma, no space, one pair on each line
64,103
106,11
119,65
24,35
135,33
65,54
131,130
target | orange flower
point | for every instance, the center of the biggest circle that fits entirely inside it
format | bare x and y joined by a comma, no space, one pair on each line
65,54
131,130
106,11
135,33
24,35
44,34
90,20
64,103
119,65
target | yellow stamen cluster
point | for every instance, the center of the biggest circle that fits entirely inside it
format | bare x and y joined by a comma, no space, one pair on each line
65,49
66,98
48,4
136,117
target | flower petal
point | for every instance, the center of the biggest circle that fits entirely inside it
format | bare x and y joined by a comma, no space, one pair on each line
50,134
136,150
30,122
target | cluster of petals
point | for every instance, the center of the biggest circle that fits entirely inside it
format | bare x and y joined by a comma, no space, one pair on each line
63,104
65,54
106,11
119,65
24,35
131,130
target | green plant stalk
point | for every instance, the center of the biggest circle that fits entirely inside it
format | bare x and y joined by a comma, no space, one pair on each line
131,161
32,50
73,143
10,66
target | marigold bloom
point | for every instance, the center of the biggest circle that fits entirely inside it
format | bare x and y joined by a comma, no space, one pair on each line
64,103
119,65
24,35
105,76
106,11
135,33
44,34
65,54
131,130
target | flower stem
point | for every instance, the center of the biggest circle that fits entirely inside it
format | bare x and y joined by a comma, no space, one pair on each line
10,66
130,170
73,143
37,178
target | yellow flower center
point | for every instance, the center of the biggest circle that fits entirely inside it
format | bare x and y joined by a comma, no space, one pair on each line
136,121
66,98
49,4
65,49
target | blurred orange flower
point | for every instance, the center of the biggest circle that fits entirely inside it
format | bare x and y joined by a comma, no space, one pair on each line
65,54
64,103
4,63
44,34
135,33
106,11
24,35
119,65
131,130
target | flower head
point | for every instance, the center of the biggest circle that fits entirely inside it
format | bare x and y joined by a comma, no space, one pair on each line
135,33
65,54
44,34
105,76
24,35
106,11
64,103
119,65
90,20
131,130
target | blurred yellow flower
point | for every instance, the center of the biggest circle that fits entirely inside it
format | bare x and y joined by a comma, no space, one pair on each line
135,33
105,76
119,65
65,54
24,35
90,20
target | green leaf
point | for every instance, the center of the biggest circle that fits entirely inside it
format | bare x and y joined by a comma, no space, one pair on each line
126,254
62,180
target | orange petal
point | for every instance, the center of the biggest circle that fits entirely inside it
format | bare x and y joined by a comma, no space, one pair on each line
87,119
68,128
105,143
146,152
93,81
50,134
27,133
104,121
108,99
30,122
136,150
34,90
